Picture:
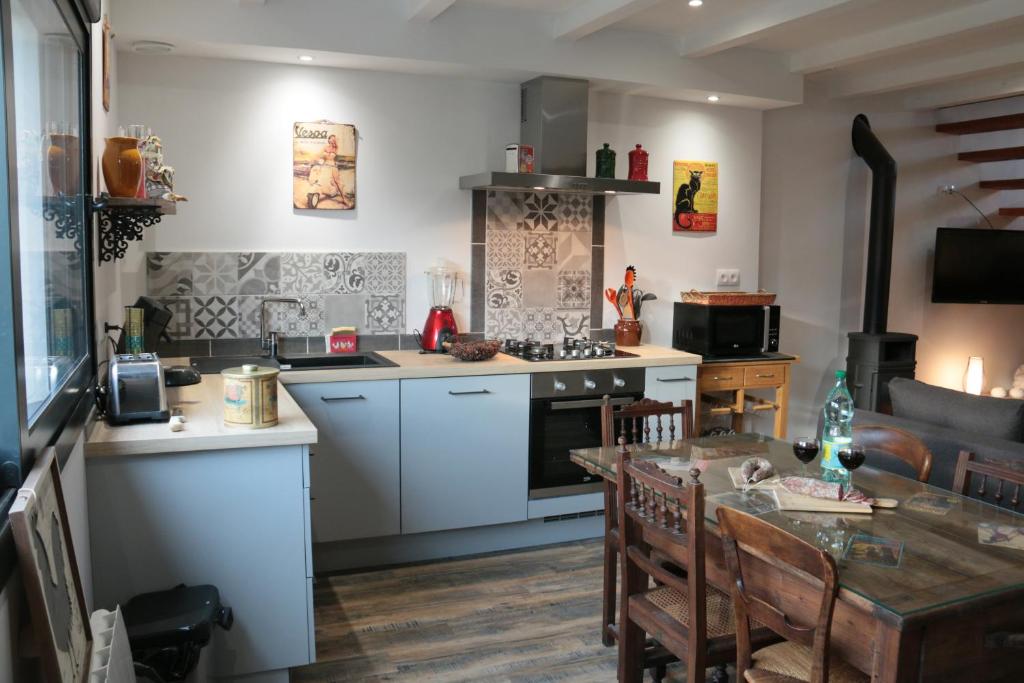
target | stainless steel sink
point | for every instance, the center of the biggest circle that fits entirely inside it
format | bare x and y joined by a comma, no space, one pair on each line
208,365
333,361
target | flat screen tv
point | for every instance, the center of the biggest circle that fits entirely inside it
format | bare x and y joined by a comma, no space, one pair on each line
978,266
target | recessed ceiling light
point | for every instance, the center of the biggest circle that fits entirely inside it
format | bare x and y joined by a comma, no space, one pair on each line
538,188
151,47
305,58
696,3
712,98
609,191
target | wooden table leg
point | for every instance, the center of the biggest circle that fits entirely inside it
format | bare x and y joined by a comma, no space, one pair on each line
737,414
898,655
611,563
782,411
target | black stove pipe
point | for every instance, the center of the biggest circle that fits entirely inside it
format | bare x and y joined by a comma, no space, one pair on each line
883,209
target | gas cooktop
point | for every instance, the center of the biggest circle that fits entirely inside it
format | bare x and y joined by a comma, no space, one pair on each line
570,349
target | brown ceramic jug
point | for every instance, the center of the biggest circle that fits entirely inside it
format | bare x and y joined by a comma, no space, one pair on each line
62,163
122,166
627,332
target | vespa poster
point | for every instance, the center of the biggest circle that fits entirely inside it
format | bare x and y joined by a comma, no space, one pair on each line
696,192
323,165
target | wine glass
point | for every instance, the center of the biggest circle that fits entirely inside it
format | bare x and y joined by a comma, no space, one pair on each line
851,457
805,449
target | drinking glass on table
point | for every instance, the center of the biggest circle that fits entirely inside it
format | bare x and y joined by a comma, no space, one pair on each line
851,457
805,449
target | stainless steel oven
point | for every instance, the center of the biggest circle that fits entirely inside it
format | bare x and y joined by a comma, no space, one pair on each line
565,413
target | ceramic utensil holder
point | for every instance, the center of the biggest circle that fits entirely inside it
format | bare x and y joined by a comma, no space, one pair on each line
627,332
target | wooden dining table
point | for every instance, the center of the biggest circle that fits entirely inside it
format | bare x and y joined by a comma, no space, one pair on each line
952,609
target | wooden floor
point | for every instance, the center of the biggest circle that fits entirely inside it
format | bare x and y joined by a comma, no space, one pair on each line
529,615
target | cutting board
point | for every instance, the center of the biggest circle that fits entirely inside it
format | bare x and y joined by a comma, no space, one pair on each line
796,502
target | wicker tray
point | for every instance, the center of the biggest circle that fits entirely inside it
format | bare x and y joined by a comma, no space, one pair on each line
758,298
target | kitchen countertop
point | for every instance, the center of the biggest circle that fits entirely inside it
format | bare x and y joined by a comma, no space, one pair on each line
203,407
416,365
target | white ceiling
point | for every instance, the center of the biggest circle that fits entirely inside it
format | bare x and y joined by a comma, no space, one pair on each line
753,53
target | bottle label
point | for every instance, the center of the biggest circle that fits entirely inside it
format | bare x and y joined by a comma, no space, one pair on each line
830,452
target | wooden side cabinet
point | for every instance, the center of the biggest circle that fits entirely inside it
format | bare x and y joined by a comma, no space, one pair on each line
724,388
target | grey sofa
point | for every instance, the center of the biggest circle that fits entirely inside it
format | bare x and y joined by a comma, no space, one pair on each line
949,422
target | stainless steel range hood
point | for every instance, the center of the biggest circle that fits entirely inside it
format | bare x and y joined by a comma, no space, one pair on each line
554,121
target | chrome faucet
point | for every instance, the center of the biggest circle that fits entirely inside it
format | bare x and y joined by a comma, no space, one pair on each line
268,340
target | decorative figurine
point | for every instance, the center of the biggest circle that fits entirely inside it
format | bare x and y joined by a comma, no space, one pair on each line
605,162
638,163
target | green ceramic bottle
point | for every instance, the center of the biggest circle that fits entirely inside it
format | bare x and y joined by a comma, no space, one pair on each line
605,162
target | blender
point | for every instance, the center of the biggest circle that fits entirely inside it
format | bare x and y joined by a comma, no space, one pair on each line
440,326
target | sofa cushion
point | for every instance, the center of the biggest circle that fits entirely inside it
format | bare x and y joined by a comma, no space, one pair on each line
1000,418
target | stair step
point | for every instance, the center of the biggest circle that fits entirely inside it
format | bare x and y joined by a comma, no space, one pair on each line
988,125
1007,184
984,155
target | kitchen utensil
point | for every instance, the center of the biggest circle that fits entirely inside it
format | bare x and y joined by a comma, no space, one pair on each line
639,297
474,350
624,303
440,325
614,299
630,279
250,396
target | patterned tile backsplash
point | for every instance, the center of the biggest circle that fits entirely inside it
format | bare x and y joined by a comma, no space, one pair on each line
217,295
538,278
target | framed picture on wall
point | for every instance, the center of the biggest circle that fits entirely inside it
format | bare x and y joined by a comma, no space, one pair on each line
696,192
106,63
53,586
323,165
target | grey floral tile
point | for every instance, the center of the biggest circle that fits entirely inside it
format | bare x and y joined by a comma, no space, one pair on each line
503,323
541,324
385,313
385,272
540,288
291,321
540,250
259,273
505,250
575,213
574,251
301,273
344,272
574,289
505,289
215,273
540,212
572,323
180,325
169,273
504,210
214,317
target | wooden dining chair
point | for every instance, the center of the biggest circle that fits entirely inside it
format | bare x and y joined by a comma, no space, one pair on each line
663,517
1001,475
629,423
897,443
808,574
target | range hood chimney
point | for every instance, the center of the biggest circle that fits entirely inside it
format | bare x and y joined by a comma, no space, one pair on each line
553,119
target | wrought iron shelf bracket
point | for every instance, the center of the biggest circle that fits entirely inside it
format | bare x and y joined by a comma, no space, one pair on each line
122,220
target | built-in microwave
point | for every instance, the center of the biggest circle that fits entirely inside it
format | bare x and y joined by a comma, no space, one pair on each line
725,331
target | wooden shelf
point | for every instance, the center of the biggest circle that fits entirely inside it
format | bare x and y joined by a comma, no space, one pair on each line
165,207
1008,184
988,125
983,155
1012,211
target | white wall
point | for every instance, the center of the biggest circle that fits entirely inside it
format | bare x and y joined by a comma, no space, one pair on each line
814,218
226,130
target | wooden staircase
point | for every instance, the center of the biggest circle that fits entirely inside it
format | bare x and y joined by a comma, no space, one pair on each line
988,125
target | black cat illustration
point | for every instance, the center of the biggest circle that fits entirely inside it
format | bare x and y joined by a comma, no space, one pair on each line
685,199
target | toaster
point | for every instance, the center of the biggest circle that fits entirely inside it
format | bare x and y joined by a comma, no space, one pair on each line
135,389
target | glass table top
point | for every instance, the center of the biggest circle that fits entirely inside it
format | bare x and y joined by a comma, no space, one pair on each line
946,548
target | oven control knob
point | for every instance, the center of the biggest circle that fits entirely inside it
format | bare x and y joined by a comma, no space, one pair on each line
589,384
559,386
618,382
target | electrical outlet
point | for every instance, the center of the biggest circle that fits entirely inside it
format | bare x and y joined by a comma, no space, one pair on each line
727,277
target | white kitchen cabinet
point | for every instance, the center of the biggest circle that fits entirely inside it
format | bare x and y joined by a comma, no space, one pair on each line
354,470
465,452
673,383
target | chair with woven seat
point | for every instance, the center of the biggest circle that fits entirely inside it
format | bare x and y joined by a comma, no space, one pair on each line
806,572
631,423
992,478
661,529
897,443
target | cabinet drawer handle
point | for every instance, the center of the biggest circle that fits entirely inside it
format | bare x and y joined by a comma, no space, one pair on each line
675,379
721,379
764,375
468,393
331,399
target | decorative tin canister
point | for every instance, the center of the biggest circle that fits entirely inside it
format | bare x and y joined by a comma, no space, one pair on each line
250,396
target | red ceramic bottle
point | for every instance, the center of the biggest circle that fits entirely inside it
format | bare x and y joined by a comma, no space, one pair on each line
638,163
